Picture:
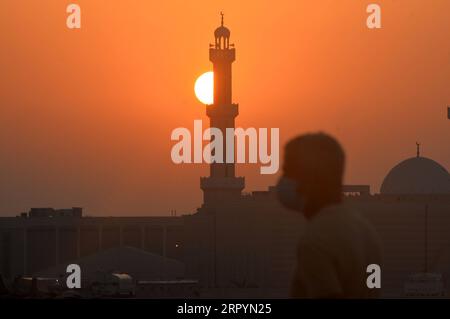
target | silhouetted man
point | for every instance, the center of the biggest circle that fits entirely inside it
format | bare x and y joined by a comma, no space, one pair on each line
337,244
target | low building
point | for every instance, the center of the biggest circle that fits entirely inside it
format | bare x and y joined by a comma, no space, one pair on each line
137,263
245,244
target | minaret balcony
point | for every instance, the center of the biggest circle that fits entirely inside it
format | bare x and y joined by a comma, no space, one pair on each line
222,110
237,183
222,55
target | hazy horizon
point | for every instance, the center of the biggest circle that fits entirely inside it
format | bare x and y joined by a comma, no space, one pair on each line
86,115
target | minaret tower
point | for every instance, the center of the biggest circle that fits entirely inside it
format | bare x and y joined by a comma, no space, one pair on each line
222,185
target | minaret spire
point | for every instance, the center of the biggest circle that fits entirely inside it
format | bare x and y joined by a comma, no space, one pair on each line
418,149
222,184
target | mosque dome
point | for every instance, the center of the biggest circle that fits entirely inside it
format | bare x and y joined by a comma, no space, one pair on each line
417,175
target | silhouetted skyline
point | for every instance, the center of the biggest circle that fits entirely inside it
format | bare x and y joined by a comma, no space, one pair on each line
87,114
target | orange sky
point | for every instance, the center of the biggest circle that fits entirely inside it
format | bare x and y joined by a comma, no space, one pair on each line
86,115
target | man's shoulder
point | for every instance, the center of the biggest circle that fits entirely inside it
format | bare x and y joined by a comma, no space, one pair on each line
337,221
334,215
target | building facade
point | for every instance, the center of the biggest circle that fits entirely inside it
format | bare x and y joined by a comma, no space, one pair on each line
239,244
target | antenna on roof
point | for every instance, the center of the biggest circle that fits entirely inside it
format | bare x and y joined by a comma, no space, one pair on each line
426,239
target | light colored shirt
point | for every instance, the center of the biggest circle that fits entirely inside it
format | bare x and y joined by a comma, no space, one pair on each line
333,255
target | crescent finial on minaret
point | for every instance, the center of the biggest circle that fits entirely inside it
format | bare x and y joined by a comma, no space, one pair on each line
221,13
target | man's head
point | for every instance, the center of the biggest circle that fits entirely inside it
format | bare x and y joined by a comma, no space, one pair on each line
315,162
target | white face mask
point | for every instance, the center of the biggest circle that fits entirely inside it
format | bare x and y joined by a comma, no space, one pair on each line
288,195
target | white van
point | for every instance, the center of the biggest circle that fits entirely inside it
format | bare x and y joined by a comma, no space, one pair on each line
113,285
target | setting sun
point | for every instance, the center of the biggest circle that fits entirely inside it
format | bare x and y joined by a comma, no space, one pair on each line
204,88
